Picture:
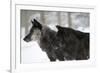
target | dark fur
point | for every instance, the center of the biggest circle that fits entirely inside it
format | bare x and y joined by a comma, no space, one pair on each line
66,44
75,43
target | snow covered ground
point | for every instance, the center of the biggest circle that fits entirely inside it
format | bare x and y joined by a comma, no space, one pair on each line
32,53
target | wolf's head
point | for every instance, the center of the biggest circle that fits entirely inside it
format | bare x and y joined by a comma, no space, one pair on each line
35,31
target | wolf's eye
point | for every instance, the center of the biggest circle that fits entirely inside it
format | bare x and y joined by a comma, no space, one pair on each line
31,30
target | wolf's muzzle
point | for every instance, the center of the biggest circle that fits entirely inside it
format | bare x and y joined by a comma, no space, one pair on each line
27,39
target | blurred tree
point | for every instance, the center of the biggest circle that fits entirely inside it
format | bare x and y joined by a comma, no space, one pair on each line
59,18
42,17
69,19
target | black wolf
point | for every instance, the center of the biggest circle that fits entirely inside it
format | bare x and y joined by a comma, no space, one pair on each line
65,44
75,44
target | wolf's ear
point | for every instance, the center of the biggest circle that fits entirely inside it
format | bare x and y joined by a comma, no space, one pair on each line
32,21
35,20
36,24
59,27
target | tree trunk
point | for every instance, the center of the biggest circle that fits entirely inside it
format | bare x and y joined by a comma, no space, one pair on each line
59,18
69,19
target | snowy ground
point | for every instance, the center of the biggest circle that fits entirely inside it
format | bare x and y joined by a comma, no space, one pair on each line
32,53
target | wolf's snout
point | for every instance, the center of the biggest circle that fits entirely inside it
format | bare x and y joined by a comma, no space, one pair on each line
26,39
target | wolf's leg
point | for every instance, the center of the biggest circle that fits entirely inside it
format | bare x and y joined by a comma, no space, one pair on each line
59,55
51,57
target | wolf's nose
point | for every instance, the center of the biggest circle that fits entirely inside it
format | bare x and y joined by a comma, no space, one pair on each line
26,40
